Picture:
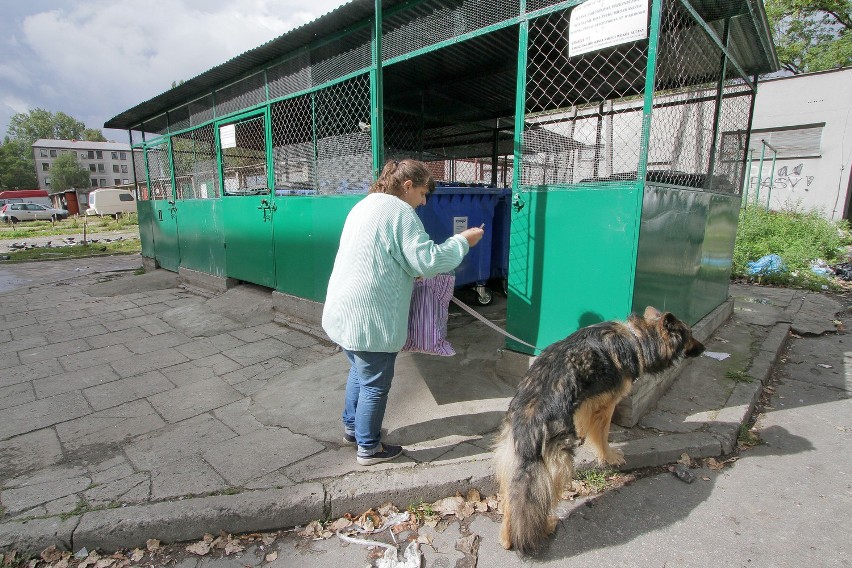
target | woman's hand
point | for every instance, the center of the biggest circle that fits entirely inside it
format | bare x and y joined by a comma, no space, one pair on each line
474,234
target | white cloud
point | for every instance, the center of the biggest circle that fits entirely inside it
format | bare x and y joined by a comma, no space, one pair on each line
96,58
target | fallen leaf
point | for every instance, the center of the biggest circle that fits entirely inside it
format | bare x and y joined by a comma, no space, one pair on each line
714,464
705,478
62,563
207,537
90,560
152,544
467,509
448,505
200,548
137,554
388,509
474,496
50,554
271,557
468,544
104,562
340,524
233,546
268,538
685,460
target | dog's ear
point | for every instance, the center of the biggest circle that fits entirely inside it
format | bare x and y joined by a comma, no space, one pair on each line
670,321
651,313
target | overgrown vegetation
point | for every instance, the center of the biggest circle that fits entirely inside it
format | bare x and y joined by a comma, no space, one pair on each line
799,238
72,226
127,246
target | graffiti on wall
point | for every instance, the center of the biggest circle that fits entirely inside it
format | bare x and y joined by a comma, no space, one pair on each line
785,178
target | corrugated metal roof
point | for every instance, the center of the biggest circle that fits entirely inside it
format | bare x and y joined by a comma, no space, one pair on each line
463,66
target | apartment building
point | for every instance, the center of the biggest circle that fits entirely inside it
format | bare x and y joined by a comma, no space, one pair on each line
109,164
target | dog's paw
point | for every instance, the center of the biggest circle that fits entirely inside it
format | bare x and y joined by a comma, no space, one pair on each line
615,457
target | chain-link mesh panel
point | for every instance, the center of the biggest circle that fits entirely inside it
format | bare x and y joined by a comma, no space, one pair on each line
157,125
200,110
290,76
344,142
159,172
689,66
293,157
403,135
335,60
179,118
241,95
139,172
244,165
433,21
584,113
533,5
729,163
194,159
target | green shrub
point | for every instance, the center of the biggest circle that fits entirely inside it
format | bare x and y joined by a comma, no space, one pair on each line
798,237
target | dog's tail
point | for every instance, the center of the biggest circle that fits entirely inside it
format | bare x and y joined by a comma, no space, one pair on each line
531,487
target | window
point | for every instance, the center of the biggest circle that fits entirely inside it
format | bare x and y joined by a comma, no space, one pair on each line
100,155
115,168
117,181
47,182
53,153
123,155
101,168
94,182
124,169
92,168
114,155
790,141
74,153
91,154
125,197
43,153
103,182
45,166
125,181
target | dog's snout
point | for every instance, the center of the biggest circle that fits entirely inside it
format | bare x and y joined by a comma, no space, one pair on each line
694,348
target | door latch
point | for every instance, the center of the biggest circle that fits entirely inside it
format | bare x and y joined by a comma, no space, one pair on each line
517,202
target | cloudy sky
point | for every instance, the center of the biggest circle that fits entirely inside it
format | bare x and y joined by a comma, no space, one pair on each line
93,59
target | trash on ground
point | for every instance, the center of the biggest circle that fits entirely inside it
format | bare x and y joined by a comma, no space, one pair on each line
821,268
718,355
768,264
843,270
682,472
824,365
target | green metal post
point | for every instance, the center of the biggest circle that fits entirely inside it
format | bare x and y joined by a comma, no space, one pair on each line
650,79
377,122
270,169
747,180
314,137
171,168
520,99
771,177
760,172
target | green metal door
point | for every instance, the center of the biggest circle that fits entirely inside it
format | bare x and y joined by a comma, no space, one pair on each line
164,227
247,204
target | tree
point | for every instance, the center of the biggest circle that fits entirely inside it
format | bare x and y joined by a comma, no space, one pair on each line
93,135
67,173
811,35
40,123
16,172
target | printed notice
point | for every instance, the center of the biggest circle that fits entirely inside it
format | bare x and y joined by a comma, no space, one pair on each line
228,136
459,224
598,24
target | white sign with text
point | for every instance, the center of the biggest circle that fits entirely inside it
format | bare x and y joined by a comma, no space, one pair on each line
598,24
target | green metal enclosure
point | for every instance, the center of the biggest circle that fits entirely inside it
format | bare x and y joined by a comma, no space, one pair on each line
621,128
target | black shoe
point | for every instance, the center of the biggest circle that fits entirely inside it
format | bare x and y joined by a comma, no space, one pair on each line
350,439
388,452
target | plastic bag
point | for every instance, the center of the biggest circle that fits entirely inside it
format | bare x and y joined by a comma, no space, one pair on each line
427,316
769,264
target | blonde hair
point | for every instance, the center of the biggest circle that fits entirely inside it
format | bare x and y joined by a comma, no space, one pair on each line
396,173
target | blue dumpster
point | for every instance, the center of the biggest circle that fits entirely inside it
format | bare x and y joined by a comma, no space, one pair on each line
500,236
451,210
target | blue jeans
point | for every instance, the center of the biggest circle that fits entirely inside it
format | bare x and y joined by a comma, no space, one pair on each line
367,390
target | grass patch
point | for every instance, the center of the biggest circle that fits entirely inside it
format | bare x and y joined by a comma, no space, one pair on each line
747,438
421,511
739,376
71,226
798,237
128,246
594,478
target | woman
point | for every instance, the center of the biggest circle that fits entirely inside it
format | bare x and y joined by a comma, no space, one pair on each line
383,248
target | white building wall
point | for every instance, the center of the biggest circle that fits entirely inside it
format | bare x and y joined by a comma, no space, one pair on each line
820,182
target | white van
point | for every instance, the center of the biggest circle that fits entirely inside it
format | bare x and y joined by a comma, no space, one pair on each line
111,202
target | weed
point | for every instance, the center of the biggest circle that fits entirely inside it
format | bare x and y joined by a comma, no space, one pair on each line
594,478
739,376
421,511
748,438
798,237
82,507
127,246
139,271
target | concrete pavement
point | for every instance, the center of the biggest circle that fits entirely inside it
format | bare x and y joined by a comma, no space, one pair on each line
135,409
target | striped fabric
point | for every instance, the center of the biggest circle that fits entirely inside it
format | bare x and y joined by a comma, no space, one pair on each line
383,247
427,317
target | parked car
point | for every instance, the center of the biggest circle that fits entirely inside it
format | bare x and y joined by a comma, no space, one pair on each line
111,201
14,212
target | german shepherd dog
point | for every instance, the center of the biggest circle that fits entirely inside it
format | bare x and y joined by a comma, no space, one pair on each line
568,395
